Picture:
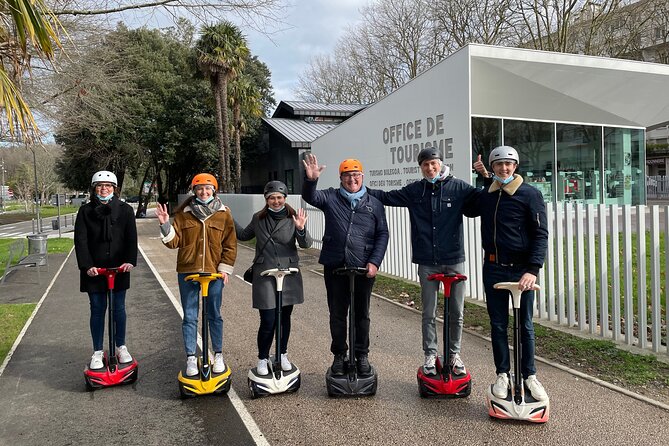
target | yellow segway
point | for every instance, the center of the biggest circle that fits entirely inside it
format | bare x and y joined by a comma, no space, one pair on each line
206,381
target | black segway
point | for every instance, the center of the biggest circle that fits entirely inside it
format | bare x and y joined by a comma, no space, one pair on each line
277,380
351,383
445,384
206,381
519,403
112,372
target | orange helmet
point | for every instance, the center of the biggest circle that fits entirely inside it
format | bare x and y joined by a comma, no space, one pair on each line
203,179
350,165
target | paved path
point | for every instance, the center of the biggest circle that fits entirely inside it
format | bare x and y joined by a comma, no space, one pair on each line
43,399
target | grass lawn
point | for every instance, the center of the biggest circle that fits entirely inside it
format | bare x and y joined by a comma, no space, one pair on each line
12,319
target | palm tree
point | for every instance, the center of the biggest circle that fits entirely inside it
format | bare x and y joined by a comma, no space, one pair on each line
22,22
245,100
222,53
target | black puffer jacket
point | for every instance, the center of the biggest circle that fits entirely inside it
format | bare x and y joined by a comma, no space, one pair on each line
435,211
514,226
95,249
353,237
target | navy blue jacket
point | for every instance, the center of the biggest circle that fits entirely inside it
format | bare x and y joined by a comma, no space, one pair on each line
514,226
353,237
435,211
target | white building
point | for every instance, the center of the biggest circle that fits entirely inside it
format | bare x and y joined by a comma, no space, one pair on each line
578,122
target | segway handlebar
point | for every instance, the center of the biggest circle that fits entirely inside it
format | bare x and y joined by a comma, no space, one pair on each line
355,270
110,274
512,287
204,279
448,280
279,274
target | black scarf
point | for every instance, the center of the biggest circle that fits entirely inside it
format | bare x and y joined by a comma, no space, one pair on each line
107,214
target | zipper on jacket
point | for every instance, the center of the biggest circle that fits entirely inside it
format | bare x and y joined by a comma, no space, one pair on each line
494,230
204,244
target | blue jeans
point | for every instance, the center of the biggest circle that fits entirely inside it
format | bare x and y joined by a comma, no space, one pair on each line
190,302
98,303
456,306
497,302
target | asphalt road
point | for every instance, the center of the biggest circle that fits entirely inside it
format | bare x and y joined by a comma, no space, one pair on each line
43,398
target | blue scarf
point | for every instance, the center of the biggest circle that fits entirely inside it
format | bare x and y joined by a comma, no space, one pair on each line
352,197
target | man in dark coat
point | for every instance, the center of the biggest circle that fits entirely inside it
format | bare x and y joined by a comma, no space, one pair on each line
356,235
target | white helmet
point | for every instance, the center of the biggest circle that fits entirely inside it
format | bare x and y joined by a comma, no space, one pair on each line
104,176
506,153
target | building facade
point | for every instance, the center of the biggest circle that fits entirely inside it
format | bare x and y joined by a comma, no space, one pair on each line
578,122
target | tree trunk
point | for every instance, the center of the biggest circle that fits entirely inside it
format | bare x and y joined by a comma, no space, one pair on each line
238,147
221,134
223,105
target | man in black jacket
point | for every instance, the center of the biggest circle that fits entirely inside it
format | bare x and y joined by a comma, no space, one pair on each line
436,205
514,234
356,234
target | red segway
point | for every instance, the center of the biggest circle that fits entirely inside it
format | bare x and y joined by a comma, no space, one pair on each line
112,372
445,384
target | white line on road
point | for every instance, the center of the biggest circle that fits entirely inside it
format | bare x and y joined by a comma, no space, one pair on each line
237,403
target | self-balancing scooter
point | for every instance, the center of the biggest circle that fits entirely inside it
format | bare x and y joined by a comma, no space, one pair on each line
277,380
445,384
351,383
519,403
112,372
206,381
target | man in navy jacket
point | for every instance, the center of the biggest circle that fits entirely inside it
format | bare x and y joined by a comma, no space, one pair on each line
436,205
356,234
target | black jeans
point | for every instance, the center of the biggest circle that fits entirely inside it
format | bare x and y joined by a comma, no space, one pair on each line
338,292
266,330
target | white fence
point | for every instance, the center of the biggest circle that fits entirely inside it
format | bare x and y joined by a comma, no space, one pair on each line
602,276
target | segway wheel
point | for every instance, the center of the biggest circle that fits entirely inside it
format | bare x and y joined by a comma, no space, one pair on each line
225,388
421,389
89,387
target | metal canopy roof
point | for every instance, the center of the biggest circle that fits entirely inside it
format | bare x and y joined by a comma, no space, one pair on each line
531,84
302,108
298,132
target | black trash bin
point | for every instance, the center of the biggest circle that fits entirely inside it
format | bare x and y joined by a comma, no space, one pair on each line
55,224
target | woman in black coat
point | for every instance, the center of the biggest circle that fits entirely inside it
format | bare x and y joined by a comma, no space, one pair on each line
105,236
276,227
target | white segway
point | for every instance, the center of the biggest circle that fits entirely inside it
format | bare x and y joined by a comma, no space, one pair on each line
276,380
519,403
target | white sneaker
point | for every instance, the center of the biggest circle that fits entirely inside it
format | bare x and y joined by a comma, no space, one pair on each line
457,366
219,365
535,388
501,387
285,363
262,367
191,366
123,355
430,366
96,360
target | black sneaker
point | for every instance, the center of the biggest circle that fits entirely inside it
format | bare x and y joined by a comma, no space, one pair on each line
363,365
338,365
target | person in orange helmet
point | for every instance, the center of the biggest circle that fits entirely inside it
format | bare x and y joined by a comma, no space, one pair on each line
356,235
204,233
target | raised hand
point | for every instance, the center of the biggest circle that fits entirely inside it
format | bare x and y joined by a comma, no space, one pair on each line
300,219
161,213
311,167
480,167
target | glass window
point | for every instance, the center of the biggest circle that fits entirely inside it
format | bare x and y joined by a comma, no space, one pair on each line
288,174
486,135
578,163
624,161
534,142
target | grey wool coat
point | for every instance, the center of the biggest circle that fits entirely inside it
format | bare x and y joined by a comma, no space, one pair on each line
278,252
